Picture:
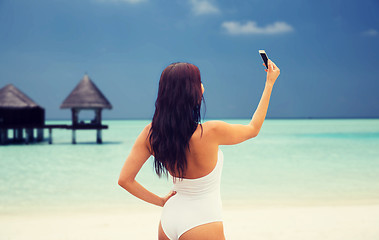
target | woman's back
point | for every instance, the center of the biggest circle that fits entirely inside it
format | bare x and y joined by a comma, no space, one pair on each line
202,153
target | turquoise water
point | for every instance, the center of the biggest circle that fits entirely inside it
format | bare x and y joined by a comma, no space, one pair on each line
291,162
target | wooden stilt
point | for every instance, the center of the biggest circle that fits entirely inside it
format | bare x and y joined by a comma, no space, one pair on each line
3,136
27,135
98,136
50,136
73,136
6,135
14,135
31,135
20,134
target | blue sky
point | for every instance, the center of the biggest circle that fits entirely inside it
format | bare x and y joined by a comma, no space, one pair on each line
328,52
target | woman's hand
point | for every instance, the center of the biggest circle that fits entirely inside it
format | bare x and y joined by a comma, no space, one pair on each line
167,197
272,72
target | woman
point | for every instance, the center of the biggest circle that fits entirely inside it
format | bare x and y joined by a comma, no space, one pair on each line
189,152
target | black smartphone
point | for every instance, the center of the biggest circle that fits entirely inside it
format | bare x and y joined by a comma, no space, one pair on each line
264,57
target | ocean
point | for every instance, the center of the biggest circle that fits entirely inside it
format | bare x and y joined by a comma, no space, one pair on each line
290,163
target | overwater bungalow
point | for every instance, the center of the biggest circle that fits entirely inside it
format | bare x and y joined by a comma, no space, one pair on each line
86,96
19,113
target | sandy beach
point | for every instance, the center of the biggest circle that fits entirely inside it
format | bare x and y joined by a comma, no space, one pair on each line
321,222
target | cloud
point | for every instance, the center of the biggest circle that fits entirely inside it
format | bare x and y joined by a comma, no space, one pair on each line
371,33
123,1
202,7
251,27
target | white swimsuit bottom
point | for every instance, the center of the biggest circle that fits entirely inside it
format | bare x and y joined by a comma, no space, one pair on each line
196,202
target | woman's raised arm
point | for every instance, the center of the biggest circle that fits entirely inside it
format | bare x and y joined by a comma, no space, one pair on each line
229,134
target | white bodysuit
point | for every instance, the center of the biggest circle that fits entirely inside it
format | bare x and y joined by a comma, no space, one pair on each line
196,202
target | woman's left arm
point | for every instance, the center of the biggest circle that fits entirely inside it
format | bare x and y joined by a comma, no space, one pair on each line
137,157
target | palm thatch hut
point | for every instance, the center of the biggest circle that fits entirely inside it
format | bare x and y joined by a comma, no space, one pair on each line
19,112
86,96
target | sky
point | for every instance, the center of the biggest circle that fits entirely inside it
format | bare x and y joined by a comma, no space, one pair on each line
328,53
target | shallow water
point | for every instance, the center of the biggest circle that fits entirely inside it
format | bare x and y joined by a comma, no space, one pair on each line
291,162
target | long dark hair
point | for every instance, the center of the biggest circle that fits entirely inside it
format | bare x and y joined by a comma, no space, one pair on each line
176,117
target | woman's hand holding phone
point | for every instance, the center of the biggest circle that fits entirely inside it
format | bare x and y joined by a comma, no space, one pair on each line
272,72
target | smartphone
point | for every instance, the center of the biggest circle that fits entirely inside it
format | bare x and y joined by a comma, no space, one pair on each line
264,57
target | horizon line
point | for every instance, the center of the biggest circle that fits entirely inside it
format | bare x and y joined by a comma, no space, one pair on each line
230,118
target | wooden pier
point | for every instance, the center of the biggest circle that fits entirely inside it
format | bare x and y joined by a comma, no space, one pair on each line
26,133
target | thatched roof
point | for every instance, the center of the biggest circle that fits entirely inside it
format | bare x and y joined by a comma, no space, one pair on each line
86,95
11,97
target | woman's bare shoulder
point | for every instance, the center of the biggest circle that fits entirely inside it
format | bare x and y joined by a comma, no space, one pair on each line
213,128
146,131
147,127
